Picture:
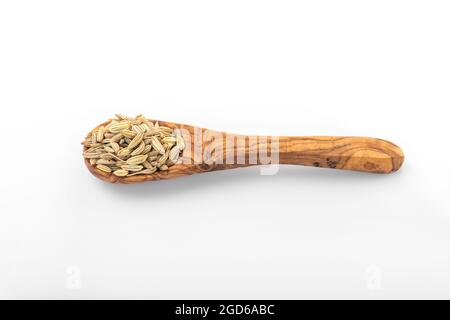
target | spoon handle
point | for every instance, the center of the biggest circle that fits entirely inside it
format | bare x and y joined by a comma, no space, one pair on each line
346,153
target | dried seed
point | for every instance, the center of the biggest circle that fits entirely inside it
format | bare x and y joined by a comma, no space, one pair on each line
106,156
168,145
104,168
157,145
138,120
94,138
153,153
129,134
139,149
101,134
151,133
165,130
93,149
122,125
106,162
115,146
120,173
145,127
121,117
108,149
180,142
147,165
162,160
169,140
136,129
116,137
91,155
132,168
137,159
124,152
147,148
174,154
93,145
136,141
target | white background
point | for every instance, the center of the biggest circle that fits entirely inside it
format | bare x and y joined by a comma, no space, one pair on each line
367,68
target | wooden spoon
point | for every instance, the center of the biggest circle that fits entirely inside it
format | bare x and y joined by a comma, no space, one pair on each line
347,153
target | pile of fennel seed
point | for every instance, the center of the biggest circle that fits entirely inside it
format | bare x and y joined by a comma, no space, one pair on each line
133,146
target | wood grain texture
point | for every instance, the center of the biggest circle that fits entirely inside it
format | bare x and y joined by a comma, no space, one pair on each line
228,151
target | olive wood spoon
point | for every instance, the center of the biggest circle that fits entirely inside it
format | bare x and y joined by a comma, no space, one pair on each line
348,153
